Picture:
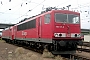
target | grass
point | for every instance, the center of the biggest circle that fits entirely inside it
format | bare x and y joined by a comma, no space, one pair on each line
20,54
19,51
1,40
47,54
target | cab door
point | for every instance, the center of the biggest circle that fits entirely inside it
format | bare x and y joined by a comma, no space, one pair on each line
15,30
40,28
12,33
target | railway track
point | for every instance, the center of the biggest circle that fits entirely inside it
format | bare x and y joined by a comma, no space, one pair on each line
78,57
82,53
85,47
86,44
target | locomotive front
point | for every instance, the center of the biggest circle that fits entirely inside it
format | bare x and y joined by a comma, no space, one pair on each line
66,31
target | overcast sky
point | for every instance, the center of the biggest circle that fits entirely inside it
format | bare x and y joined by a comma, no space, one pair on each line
12,11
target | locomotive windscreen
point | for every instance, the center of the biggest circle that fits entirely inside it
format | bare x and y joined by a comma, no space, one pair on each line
67,18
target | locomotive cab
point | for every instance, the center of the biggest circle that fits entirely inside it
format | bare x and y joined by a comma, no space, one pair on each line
67,24
66,30
61,29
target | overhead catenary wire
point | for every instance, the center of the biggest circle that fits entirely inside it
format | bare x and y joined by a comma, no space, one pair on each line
31,9
21,4
18,5
5,12
62,3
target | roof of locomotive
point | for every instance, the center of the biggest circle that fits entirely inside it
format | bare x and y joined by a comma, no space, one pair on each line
33,17
67,11
44,13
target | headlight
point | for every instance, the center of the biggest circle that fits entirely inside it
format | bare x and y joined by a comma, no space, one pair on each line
75,35
55,34
59,34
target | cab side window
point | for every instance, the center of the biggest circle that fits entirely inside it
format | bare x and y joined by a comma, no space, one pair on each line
47,19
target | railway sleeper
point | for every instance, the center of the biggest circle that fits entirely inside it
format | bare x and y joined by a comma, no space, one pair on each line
74,56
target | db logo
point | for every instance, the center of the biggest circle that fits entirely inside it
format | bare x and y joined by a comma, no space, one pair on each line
68,35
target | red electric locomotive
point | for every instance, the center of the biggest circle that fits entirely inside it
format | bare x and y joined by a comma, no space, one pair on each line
5,33
57,30
0,36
